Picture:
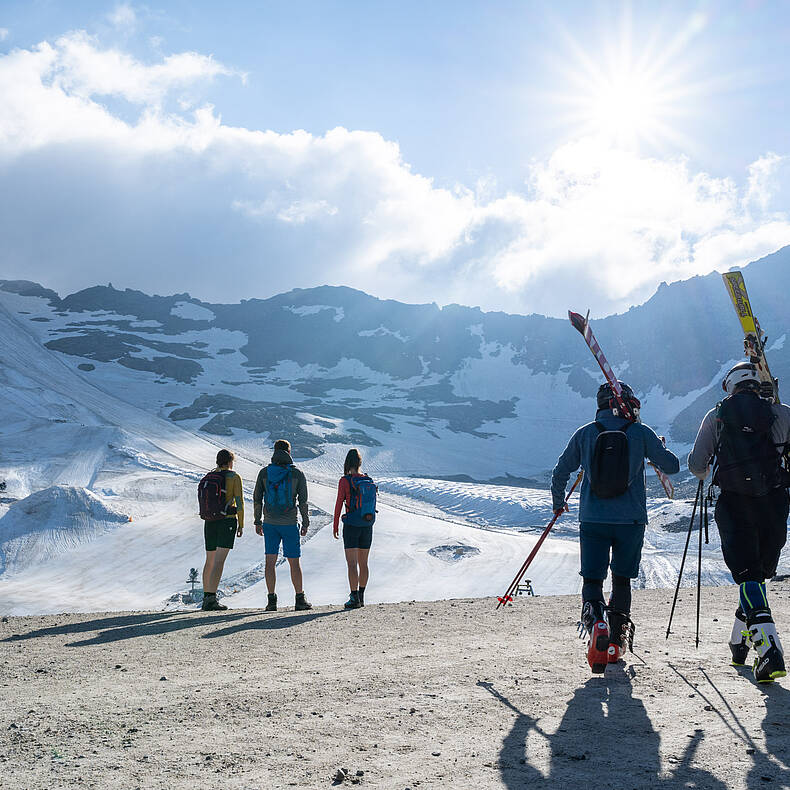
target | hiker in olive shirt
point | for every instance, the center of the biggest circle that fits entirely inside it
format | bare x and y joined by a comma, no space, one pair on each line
278,488
220,534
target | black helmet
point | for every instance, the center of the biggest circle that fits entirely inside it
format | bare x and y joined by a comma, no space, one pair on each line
607,400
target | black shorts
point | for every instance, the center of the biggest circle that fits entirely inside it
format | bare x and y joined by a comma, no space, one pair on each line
357,537
753,531
220,533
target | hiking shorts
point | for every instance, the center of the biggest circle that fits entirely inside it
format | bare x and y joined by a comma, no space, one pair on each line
623,540
220,533
357,537
753,531
274,534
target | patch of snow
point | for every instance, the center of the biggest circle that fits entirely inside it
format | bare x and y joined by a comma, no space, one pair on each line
381,331
778,344
192,312
313,309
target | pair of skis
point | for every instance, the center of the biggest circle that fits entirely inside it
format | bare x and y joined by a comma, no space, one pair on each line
582,324
753,337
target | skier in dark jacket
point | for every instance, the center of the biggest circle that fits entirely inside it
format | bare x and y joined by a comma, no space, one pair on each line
748,435
277,490
613,523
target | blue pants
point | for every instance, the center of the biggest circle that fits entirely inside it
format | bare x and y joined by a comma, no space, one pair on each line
623,540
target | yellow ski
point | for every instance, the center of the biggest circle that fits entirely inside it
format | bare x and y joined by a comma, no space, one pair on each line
753,337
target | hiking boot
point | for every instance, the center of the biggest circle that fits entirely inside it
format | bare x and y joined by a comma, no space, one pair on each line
271,606
769,664
621,634
594,620
302,604
739,645
211,604
353,601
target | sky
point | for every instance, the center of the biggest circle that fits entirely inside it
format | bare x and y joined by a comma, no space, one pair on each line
517,156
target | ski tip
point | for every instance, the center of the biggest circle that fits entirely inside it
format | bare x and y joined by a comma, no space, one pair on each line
577,320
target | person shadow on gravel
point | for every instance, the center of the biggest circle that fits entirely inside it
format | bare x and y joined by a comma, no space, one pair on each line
776,730
605,733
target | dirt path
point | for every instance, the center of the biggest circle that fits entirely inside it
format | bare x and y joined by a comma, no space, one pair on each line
446,694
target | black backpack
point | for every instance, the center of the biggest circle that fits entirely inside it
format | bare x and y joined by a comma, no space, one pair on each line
747,461
610,467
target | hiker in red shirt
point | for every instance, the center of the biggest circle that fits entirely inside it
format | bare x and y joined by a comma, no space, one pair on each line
358,492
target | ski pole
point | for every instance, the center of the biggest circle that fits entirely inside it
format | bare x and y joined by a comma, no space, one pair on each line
699,569
508,596
683,560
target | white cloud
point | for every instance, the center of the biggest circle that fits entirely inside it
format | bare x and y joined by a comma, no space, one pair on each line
762,181
4,33
156,201
123,17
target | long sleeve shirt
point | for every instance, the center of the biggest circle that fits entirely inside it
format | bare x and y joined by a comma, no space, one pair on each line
704,448
234,494
343,498
298,489
630,507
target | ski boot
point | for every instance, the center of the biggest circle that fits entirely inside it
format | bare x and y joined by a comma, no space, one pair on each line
621,635
769,664
594,622
739,644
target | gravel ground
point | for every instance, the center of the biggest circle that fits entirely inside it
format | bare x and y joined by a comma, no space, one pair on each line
449,694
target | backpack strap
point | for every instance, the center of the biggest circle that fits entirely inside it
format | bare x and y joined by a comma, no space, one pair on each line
601,427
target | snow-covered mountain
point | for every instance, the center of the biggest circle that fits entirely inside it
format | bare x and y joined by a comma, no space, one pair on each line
427,390
114,402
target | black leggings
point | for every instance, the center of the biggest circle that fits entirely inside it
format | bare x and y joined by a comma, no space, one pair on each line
620,599
753,531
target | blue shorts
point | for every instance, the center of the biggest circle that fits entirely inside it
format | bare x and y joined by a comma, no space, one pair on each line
288,534
624,541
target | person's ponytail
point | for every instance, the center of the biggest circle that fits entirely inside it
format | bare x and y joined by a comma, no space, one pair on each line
353,461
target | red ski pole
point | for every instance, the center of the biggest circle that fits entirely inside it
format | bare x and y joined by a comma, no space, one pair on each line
508,596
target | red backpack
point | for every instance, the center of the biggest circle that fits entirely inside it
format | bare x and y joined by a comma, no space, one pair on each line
212,498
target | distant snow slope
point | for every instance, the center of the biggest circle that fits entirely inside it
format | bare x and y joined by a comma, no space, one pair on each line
71,547
113,403
48,523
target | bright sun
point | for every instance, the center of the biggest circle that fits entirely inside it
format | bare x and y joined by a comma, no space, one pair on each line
627,95
625,108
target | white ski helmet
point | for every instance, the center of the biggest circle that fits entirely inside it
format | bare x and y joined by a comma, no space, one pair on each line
742,372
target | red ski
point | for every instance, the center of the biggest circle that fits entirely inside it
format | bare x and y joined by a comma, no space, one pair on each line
582,324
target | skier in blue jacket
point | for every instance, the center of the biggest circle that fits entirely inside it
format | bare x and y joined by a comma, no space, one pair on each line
610,523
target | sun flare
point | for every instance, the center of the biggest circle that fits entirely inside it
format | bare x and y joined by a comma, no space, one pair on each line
627,95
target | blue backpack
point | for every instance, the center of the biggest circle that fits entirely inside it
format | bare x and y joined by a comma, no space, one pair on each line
278,492
362,508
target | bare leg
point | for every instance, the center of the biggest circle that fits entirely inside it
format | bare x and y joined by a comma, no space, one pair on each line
362,561
220,555
353,573
270,573
296,574
207,568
